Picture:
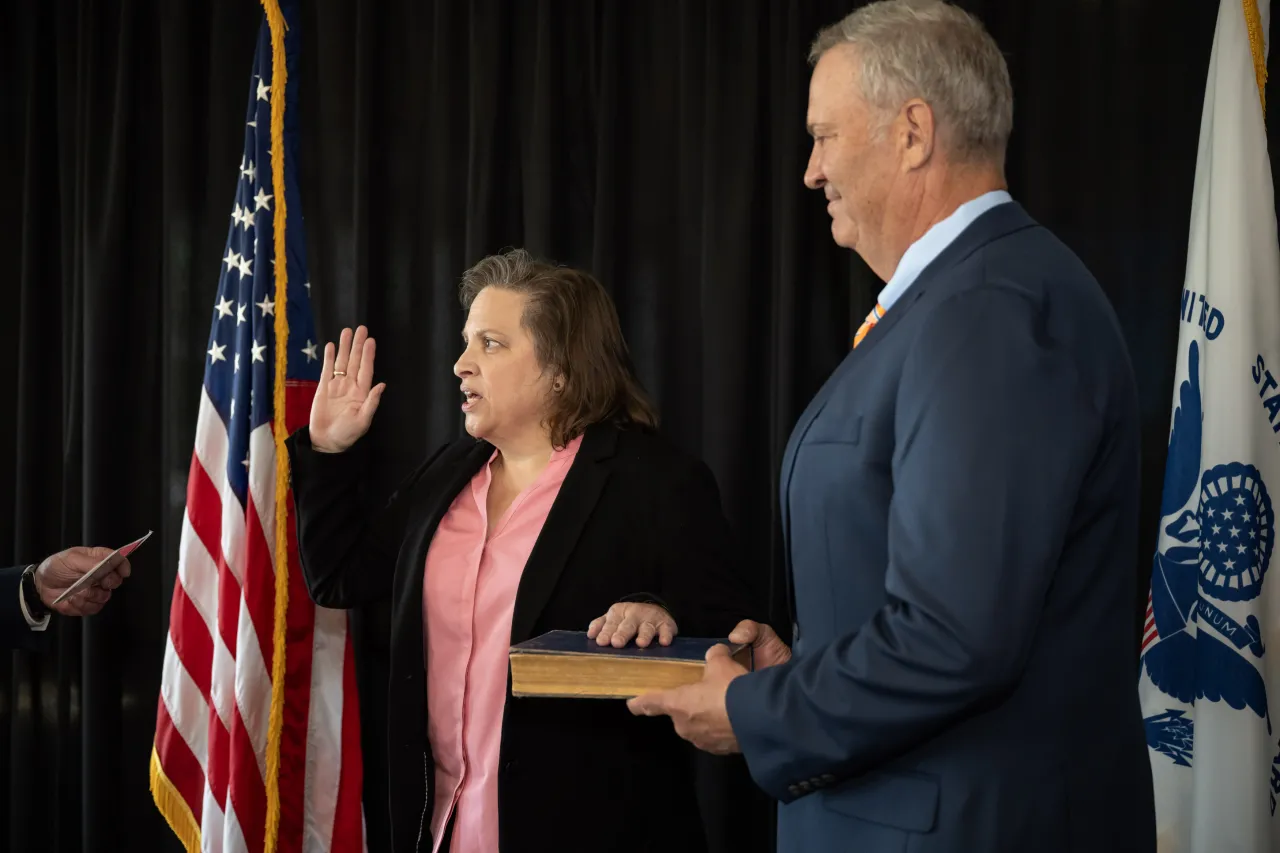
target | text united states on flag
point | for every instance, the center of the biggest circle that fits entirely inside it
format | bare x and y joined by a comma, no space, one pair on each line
229,771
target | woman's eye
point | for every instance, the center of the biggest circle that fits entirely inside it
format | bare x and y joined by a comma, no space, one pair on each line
490,343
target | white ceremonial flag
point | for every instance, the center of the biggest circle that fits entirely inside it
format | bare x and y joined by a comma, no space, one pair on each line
1208,662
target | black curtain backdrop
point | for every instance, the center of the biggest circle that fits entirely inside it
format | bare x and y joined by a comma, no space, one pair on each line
659,144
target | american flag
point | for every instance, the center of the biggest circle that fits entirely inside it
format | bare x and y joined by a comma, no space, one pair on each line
257,743
1149,631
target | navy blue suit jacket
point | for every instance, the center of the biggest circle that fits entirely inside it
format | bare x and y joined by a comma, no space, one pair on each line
960,507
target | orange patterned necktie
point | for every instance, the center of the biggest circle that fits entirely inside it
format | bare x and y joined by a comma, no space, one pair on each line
868,324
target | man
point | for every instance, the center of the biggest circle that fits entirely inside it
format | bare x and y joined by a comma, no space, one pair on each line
959,500
27,594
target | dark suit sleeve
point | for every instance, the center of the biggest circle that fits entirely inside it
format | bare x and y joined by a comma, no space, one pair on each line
15,633
347,547
703,583
992,440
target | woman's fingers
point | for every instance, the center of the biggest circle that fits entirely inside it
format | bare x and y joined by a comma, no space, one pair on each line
357,353
370,404
625,621
625,632
646,634
608,624
365,377
344,351
326,368
352,360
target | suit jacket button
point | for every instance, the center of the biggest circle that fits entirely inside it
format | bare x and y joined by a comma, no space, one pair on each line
793,790
828,779
805,786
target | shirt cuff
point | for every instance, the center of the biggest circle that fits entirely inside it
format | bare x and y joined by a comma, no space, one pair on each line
35,624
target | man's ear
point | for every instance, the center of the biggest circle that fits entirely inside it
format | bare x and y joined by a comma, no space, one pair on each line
918,133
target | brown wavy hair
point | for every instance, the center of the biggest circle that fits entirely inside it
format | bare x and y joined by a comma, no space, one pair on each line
576,335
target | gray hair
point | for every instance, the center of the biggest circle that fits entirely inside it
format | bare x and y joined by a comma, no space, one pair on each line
931,50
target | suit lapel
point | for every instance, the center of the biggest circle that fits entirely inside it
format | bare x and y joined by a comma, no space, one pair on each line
990,226
573,505
995,223
429,515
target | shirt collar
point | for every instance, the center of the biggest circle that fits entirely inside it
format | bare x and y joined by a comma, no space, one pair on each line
924,251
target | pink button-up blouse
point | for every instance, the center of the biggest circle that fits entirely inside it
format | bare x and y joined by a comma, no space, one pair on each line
469,595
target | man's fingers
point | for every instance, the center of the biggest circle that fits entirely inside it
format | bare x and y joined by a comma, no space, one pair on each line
92,604
648,705
93,595
83,558
595,626
720,664
124,569
744,632
115,578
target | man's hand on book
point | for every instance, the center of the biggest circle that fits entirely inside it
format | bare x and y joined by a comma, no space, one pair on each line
698,710
767,648
632,620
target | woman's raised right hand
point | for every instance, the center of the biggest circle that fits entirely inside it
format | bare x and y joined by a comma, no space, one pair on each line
343,406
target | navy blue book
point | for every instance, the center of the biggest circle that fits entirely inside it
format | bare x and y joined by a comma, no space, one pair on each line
571,664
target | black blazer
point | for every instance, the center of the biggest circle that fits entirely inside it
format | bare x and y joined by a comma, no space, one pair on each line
634,518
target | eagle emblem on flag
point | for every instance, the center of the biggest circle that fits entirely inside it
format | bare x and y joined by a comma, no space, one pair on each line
1217,536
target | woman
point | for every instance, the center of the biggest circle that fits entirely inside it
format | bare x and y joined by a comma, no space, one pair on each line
563,510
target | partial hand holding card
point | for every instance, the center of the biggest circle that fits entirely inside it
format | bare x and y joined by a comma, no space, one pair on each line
108,563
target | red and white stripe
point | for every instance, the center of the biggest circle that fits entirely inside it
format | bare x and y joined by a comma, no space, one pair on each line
1149,632
213,719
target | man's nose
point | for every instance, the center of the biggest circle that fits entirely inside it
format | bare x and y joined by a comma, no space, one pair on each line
814,178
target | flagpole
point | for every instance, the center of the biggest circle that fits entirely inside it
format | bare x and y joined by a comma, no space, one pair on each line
1258,47
279,82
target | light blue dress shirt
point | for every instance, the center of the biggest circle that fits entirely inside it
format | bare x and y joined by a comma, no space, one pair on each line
923,251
